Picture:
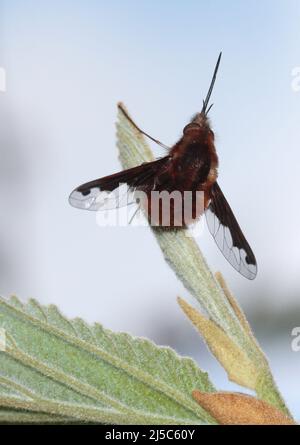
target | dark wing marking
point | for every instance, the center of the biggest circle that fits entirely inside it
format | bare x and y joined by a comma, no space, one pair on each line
228,235
118,189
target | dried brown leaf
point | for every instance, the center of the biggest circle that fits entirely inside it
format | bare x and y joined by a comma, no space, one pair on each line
240,409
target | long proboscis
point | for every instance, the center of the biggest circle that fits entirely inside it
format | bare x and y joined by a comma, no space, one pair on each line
205,110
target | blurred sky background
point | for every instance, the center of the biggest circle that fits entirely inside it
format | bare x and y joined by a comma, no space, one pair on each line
67,64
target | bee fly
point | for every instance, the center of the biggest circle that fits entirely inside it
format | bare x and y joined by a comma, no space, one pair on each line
190,165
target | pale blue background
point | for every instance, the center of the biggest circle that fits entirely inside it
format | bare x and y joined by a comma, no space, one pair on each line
67,64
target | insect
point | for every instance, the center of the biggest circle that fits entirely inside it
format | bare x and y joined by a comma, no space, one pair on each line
190,165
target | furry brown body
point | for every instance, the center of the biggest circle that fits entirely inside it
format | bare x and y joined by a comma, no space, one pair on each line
192,166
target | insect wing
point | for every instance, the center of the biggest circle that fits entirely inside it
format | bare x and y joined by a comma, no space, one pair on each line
116,190
228,235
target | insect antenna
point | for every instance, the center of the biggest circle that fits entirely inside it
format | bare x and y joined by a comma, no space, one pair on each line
206,101
120,106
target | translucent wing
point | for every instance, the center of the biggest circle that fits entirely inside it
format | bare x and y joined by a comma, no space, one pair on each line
116,190
98,199
228,235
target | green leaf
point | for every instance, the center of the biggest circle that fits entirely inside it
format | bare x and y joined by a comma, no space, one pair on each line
15,416
68,368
